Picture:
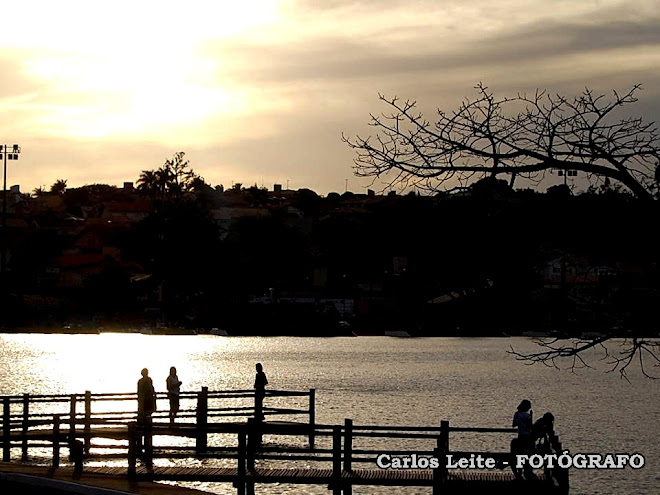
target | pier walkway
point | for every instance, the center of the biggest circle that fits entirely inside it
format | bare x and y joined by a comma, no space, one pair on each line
221,428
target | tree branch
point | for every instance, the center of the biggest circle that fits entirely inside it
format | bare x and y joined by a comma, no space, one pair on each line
480,138
557,350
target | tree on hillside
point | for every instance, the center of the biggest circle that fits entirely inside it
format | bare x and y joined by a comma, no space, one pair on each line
178,242
58,187
521,136
170,181
92,194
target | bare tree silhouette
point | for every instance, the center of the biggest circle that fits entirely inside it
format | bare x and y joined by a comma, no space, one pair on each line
617,355
522,136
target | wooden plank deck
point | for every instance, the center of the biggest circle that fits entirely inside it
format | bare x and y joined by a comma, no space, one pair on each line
408,477
184,430
22,478
412,477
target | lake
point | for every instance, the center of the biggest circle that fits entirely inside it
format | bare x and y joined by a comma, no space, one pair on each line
372,380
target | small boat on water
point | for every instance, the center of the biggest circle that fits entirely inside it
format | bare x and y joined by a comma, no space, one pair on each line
397,333
219,332
535,334
167,331
77,329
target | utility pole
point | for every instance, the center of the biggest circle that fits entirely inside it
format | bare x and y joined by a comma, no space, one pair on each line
12,154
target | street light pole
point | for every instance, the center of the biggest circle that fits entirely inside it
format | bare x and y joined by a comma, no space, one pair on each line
12,154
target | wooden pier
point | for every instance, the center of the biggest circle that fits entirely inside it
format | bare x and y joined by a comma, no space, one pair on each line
222,426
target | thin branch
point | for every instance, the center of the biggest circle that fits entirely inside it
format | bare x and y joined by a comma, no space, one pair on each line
629,351
482,137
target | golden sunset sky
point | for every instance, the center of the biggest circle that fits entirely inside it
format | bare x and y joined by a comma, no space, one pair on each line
261,91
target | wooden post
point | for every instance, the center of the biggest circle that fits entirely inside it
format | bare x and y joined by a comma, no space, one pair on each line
438,472
348,453
336,460
26,418
561,474
132,448
255,433
441,452
72,422
88,422
148,453
253,442
348,444
312,417
56,441
6,430
202,420
241,459
77,456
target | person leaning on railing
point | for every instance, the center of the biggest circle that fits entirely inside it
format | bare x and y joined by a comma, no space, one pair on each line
524,444
542,429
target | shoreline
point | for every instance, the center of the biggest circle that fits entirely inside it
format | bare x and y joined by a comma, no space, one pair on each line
393,334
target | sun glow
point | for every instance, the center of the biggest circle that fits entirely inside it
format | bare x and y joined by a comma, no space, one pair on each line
129,67
111,362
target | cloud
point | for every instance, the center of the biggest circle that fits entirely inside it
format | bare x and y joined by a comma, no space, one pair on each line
270,101
332,58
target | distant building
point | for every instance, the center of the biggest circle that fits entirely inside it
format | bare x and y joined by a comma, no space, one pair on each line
577,270
126,211
73,270
47,201
226,216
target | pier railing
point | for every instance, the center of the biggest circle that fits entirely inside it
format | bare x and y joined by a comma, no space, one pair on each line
30,420
346,453
341,453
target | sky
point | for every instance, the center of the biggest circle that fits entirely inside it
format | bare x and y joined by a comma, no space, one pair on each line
260,92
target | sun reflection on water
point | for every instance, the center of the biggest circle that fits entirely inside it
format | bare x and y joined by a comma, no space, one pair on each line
109,362
471,382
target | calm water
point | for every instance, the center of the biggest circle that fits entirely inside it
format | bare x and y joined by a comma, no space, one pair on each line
373,380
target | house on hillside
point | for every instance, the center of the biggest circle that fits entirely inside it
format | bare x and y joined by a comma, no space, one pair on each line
46,201
226,216
73,271
575,270
126,211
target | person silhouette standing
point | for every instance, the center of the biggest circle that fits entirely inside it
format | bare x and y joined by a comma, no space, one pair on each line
173,392
260,382
524,444
522,419
146,396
